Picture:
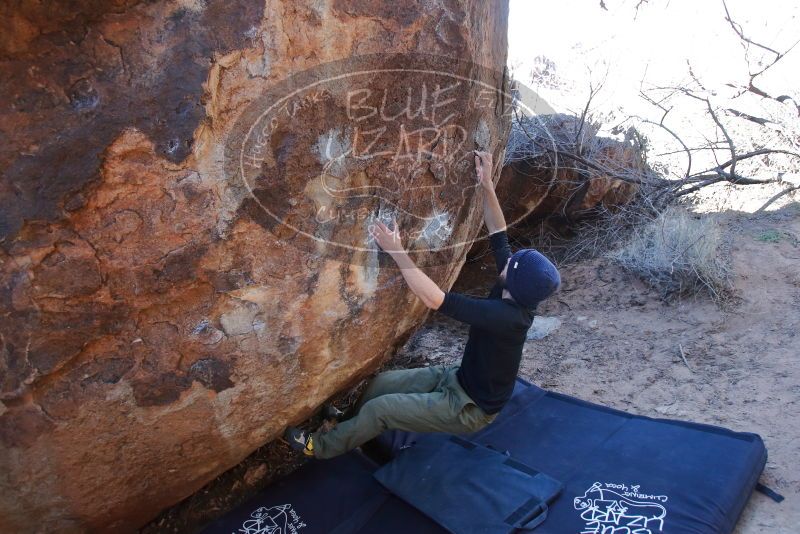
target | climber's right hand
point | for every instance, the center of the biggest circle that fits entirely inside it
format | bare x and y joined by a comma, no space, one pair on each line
483,168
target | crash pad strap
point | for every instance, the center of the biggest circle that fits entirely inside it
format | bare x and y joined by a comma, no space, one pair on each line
769,492
533,508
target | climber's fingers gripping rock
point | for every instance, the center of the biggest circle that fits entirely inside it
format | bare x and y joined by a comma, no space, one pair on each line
483,168
387,238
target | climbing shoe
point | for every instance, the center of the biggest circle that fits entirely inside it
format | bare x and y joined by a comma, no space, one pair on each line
329,411
299,440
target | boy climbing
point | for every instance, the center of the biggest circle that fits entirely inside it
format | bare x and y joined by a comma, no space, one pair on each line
455,399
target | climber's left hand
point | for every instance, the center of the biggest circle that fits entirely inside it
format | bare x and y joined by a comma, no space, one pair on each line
387,238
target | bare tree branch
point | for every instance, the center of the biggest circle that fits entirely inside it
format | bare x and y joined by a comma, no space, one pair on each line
668,130
760,152
738,29
751,118
592,93
751,86
769,202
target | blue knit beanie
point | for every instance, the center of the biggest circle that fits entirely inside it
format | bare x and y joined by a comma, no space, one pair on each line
531,277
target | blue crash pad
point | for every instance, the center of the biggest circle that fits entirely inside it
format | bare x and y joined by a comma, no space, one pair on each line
621,473
337,496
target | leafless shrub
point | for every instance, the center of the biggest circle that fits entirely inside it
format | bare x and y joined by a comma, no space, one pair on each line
679,253
594,237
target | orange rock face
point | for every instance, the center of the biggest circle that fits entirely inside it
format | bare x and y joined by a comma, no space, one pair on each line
187,188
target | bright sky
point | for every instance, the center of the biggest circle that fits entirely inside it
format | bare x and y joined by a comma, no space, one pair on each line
654,47
653,44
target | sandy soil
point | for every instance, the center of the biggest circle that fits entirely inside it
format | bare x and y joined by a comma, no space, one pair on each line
619,344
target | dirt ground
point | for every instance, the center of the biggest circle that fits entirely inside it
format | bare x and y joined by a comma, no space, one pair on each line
619,344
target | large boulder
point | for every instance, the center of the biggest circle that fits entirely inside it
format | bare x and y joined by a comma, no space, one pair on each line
187,186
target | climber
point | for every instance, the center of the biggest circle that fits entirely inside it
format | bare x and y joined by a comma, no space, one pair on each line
456,399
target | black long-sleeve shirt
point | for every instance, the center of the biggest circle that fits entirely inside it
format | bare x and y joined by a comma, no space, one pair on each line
498,328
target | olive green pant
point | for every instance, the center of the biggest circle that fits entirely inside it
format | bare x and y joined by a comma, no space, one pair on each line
428,399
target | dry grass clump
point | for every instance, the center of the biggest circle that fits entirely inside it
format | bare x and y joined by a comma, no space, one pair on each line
679,253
